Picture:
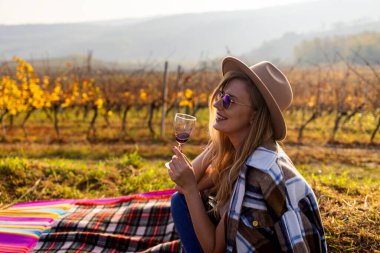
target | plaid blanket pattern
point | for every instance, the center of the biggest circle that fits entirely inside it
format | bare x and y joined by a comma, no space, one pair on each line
136,224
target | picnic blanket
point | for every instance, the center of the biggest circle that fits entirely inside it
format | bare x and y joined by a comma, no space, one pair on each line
135,223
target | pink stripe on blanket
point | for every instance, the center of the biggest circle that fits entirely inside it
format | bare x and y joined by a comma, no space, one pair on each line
9,218
17,240
153,194
100,200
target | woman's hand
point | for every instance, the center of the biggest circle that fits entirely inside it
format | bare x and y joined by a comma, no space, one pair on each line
181,172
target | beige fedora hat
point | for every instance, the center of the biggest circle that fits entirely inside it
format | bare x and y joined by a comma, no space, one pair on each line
273,86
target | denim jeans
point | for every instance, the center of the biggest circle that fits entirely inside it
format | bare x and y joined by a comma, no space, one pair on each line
183,224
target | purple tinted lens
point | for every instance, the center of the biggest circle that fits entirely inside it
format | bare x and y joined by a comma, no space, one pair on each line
226,101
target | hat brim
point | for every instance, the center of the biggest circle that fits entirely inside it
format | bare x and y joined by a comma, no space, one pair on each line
278,121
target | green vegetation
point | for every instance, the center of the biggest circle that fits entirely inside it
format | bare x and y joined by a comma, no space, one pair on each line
27,178
345,176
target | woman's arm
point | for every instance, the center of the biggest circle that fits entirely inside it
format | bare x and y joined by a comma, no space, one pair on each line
200,164
211,238
202,171
206,181
182,173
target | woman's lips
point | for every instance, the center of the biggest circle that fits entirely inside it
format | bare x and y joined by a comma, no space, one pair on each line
219,117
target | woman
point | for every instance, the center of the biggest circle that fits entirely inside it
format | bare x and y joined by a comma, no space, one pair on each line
260,201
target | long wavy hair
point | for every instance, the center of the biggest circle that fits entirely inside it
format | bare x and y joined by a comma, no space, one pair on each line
226,162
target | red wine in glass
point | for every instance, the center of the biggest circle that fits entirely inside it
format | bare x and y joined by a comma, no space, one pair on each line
181,138
183,126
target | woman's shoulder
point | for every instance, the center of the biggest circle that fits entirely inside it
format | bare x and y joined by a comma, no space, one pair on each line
273,172
262,158
273,164
268,160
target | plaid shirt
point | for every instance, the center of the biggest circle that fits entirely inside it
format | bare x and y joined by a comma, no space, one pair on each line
272,208
137,224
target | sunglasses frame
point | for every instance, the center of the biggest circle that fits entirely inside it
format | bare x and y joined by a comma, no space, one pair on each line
220,95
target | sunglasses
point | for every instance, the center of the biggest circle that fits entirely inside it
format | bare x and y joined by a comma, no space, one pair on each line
227,100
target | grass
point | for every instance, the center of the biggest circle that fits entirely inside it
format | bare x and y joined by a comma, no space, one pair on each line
78,178
346,180
344,176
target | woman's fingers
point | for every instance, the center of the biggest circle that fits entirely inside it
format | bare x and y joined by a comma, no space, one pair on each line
181,156
181,170
171,172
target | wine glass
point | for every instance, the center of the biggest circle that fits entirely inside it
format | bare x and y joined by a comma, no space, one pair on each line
183,126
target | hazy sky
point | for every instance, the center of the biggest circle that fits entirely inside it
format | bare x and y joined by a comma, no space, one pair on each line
59,11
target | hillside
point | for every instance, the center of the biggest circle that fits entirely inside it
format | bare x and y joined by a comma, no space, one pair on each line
187,37
282,49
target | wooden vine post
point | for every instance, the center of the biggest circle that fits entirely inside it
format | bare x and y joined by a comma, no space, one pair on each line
164,100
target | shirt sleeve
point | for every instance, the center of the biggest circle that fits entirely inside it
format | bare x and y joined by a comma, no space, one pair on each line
297,228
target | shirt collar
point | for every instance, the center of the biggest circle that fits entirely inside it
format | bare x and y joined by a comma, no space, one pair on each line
262,158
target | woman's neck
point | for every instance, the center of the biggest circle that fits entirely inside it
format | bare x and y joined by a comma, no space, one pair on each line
238,139
269,144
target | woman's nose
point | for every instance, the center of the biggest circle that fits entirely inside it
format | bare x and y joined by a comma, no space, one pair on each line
218,104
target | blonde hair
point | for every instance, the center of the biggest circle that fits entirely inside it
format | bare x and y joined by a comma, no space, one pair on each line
226,161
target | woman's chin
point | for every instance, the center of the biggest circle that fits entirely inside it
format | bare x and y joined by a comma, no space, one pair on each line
218,127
